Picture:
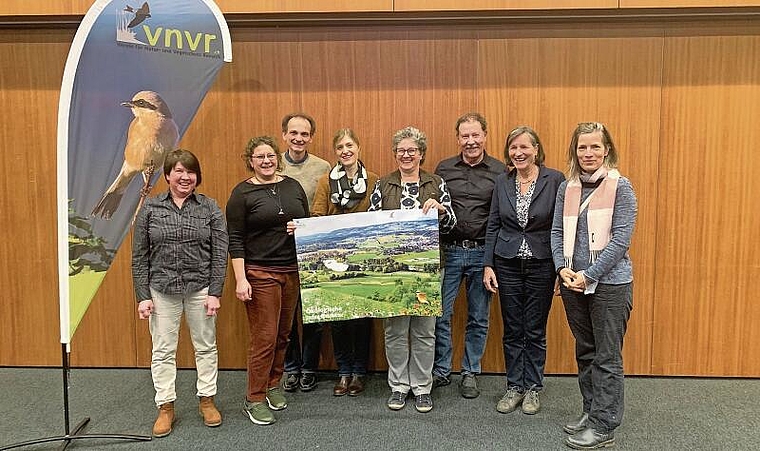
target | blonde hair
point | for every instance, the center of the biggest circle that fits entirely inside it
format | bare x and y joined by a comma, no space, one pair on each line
342,133
584,128
524,129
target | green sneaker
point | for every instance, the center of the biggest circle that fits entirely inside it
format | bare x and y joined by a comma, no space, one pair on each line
276,399
258,412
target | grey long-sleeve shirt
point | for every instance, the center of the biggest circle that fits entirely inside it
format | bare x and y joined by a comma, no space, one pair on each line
613,266
179,250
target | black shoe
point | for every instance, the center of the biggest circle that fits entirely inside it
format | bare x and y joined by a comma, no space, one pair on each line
423,403
308,381
397,401
291,382
440,381
590,439
577,424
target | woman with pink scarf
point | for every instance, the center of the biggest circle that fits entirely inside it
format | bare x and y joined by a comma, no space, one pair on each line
593,222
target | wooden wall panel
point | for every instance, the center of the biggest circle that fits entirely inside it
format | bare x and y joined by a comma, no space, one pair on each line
473,5
80,7
685,3
245,6
68,7
26,7
708,262
692,94
29,84
350,82
551,85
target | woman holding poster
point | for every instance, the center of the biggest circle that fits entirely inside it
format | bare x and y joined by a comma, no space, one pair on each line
345,190
263,253
410,340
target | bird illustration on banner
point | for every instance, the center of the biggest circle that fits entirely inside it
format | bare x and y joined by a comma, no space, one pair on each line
151,135
140,15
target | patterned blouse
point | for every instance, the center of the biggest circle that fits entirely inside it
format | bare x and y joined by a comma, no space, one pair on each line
522,204
410,199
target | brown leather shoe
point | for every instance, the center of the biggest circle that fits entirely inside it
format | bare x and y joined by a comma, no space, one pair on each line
163,425
209,412
356,387
341,387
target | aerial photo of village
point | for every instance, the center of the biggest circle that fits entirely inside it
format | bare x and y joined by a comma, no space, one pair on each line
373,264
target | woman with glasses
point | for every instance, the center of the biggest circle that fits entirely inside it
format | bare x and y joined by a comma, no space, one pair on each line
593,222
518,264
345,189
410,340
263,253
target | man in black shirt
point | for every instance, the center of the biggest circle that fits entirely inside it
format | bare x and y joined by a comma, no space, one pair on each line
470,176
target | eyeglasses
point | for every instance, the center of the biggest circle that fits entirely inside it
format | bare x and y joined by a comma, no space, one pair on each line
412,151
270,156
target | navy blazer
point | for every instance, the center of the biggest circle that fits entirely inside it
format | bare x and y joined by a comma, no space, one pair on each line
504,234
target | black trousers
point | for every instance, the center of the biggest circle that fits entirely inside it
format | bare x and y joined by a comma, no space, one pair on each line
598,322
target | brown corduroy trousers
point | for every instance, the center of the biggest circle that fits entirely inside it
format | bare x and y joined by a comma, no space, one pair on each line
270,317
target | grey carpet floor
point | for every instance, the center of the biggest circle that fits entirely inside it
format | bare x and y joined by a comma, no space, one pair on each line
661,414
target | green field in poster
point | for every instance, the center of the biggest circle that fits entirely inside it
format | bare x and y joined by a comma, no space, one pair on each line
375,264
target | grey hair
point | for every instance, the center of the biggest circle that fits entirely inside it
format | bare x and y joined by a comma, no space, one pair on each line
413,133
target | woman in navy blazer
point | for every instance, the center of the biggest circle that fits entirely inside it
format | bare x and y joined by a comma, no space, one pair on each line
519,266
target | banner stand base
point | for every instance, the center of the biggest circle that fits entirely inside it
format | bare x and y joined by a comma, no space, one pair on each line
75,435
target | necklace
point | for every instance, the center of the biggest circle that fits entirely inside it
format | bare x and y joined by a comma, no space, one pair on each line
530,179
272,192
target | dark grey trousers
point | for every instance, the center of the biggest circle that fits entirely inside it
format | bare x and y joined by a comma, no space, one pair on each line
598,322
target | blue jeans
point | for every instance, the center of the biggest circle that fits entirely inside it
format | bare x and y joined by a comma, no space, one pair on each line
462,263
526,288
599,322
306,360
351,345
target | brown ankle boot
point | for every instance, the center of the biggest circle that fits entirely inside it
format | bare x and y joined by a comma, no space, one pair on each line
209,412
163,425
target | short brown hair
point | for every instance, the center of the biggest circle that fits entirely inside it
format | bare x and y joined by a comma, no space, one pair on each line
188,160
308,118
259,141
472,116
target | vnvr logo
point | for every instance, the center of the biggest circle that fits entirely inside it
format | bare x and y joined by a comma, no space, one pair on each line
171,34
170,38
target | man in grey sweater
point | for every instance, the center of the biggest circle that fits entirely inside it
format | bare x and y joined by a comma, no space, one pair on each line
298,132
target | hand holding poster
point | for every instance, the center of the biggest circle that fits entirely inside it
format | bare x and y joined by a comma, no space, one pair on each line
370,264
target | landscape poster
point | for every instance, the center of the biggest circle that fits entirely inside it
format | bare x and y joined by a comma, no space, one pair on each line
370,264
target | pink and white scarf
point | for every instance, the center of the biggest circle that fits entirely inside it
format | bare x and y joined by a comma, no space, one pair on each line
601,205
